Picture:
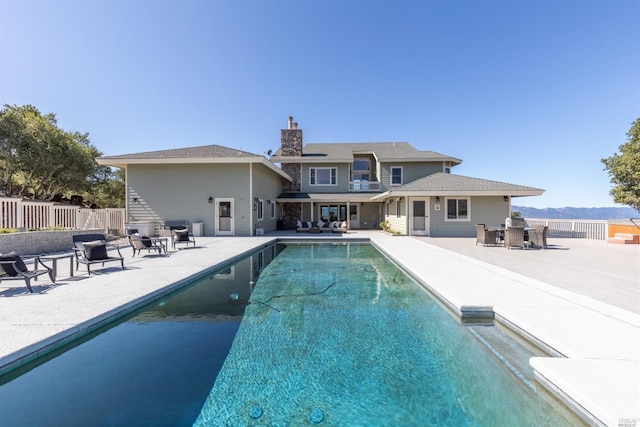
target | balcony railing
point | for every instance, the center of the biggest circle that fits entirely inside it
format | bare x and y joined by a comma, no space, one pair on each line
364,186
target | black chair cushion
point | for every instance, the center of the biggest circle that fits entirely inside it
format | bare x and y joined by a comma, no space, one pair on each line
95,251
182,235
146,240
8,268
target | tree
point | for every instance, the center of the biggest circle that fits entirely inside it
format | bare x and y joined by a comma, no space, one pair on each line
40,160
109,192
624,169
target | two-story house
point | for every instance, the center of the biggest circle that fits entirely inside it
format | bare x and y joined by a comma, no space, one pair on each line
235,193
367,183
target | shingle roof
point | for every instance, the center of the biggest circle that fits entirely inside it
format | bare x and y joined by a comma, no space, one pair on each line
385,151
204,151
205,154
449,182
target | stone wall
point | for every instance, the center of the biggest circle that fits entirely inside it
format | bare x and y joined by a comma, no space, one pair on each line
40,242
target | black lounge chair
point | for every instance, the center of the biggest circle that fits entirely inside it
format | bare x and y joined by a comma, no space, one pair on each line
15,269
92,249
139,243
182,236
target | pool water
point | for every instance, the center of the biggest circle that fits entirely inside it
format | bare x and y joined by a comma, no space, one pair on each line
154,368
337,335
330,334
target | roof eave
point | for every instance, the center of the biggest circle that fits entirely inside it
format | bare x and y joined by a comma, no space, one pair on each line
124,162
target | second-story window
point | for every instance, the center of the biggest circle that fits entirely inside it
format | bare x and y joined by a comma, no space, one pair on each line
361,165
322,176
396,175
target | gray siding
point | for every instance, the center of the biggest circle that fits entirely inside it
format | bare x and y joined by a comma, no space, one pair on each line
266,186
342,179
182,192
410,171
490,211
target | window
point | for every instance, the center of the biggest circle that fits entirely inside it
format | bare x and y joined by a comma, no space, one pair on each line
322,176
272,206
457,210
361,165
398,208
260,204
396,175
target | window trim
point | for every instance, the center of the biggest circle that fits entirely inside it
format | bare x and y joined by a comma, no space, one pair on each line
457,218
313,176
391,175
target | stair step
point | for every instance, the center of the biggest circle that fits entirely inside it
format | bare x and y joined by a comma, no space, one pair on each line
627,236
622,241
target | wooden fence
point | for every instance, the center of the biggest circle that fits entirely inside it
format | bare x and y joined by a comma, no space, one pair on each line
36,215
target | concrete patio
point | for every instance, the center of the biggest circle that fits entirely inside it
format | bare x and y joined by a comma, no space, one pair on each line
579,299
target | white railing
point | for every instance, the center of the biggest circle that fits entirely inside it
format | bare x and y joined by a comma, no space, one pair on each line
37,215
578,228
364,186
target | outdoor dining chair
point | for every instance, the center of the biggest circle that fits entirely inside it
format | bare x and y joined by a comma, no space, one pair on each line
486,237
514,237
538,236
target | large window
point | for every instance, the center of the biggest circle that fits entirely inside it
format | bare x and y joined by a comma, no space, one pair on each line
322,176
396,175
457,210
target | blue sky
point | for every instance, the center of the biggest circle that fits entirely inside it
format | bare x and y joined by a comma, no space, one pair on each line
526,92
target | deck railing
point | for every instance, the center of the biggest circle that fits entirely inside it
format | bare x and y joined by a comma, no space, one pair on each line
364,186
38,215
578,228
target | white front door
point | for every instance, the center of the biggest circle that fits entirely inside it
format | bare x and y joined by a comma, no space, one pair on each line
419,217
224,217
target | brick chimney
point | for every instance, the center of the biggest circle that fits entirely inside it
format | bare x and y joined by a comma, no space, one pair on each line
291,140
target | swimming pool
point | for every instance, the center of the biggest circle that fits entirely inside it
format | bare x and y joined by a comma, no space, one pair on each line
338,335
323,334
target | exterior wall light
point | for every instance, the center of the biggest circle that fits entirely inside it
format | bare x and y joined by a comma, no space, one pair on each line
210,199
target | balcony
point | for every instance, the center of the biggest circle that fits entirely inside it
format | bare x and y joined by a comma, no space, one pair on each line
364,186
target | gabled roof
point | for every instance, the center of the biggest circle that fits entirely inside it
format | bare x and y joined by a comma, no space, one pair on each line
446,184
190,155
344,152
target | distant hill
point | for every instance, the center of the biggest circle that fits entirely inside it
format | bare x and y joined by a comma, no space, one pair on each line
577,213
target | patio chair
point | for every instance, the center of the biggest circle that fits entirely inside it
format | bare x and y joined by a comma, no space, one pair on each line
139,243
15,269
486,237
538,236
182,236
92,249
514,237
